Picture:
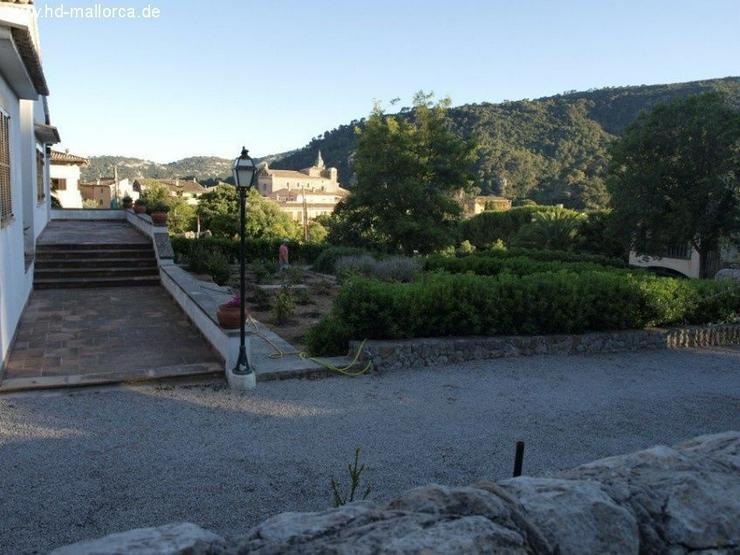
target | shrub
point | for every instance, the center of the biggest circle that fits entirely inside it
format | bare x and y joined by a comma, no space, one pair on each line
326,261
544,303
294,275
284,306
262,299
302,296
201,260
262,270
256,249
392,268
488,227
494,265
328,337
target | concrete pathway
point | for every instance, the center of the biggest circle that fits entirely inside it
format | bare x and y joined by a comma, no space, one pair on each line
83,463
111,334
93,232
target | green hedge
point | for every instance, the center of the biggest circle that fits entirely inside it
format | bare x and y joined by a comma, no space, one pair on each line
546,303
494,265
553,255
256,249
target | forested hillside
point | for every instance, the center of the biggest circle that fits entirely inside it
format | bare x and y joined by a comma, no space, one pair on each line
202,168
550,149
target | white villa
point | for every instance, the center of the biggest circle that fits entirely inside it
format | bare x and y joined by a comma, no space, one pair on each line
685,260
303,194
64,172
26,134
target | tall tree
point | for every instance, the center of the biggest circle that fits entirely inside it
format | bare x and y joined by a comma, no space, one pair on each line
408,173
675,176
219,211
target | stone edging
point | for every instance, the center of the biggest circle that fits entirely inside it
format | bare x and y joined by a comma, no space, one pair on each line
414,353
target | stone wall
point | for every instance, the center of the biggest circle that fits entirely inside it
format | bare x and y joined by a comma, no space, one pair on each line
415,353
662,500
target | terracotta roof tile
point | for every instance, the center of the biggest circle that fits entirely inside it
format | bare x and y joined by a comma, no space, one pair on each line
67,158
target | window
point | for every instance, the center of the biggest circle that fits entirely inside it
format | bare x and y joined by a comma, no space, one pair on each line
58,184
40,184
6,202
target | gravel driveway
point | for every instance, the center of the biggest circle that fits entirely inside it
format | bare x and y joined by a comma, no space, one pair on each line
85,463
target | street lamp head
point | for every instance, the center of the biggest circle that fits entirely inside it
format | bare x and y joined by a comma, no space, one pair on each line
244,170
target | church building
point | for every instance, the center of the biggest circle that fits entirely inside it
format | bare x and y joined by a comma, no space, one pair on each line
304,194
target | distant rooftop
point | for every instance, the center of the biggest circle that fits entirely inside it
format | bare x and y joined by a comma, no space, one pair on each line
60,158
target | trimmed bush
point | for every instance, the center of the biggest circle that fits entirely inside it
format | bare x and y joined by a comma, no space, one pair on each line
256,249
327,260
391,268
488,227
494,265
544,303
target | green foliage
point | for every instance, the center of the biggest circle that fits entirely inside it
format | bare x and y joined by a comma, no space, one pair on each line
551,149
327,260
262,299
219,212
355,475
256,249
493,265
155,194
262,270
302,296
596,235
489,227
442,304
294,275
181,217
554,229
552,255
675,176
284,306
203,260
408,173
390,268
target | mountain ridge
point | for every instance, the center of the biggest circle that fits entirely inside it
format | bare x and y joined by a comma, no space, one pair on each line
551,149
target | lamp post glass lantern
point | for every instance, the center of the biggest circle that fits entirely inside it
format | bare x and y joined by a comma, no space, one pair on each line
244,174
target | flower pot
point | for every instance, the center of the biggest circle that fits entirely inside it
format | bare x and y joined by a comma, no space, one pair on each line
159,218
139,208
229,317
127,205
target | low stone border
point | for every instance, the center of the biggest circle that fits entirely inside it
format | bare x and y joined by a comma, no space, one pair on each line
414,353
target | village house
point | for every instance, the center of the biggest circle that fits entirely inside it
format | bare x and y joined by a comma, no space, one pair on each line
684,259
26,135
479,204
64,172
304,194
187,189
102,192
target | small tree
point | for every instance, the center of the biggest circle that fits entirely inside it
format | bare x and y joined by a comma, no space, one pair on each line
675,177
409,171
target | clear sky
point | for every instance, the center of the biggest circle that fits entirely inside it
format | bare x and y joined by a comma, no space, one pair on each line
207,76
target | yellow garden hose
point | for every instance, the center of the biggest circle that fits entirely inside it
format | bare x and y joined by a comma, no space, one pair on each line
279,353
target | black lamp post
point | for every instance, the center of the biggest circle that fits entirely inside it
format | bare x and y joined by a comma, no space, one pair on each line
244,175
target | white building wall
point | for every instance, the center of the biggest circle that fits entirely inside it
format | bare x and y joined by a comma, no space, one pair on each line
690,267
70,197
15,281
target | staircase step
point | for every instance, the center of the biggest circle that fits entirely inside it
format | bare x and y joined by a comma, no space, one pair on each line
80,282
72,263
104,271
108,253
51,247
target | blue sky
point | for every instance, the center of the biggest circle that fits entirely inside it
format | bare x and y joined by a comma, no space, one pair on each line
207,76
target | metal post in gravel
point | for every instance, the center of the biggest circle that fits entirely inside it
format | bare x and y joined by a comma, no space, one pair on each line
518,458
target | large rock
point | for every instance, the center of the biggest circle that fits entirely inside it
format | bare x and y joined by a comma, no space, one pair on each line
576,516
684,499
170,539
661,500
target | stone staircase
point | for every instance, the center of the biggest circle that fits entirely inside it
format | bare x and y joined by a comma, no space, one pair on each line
61,265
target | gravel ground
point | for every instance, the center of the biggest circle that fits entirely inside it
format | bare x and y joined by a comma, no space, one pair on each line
85,463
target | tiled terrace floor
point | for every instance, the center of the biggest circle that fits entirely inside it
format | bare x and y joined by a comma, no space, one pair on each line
90,232
113,331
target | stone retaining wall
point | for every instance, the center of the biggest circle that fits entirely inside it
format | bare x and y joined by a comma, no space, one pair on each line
415,353
675,500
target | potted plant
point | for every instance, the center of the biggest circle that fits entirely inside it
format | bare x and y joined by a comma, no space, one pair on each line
128,202
140,206
229,314
158,212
